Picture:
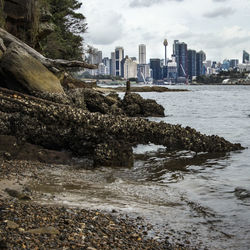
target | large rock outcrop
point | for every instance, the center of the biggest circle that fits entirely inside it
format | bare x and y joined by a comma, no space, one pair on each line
107,139
22,72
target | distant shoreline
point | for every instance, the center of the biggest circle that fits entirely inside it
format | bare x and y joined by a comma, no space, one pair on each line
140,89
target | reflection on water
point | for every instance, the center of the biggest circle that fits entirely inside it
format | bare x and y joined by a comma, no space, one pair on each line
201,197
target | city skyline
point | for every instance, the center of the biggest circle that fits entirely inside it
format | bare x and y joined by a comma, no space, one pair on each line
215,26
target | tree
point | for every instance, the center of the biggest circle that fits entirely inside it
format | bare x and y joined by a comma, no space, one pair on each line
66,41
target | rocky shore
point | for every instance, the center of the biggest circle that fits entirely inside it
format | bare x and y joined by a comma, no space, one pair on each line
26,224
106,139
42,123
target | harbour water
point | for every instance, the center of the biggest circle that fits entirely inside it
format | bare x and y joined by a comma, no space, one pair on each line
186,197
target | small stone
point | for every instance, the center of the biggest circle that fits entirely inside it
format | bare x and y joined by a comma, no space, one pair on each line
12,225
44,230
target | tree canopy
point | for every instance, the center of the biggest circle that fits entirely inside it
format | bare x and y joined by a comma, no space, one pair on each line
66,41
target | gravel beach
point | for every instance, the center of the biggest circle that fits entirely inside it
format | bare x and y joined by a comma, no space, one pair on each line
26,224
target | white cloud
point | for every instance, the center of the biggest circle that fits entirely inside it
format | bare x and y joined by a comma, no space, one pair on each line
224,33
220,12
148,3
106,29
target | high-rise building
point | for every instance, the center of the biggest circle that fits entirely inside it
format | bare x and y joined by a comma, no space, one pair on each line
176,54
155,65
180,53
172,70
129,68
183,60
200,58
102,69
95,56
119,56
245,57
107,62
143,72
191,64
234,63
142,54
112,70
225,65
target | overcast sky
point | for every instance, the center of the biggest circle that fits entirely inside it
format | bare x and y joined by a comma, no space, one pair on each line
221,28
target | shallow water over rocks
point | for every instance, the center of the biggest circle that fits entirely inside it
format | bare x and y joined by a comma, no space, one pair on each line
187,197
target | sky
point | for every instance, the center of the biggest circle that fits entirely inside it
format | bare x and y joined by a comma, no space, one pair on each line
221,28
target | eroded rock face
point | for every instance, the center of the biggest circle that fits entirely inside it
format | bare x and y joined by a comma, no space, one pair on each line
27,19
19,17
24,73
108,139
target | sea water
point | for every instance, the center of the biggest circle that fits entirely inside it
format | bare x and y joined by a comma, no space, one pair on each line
183,195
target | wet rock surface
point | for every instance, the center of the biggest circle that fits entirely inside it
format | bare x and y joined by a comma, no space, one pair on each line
57,126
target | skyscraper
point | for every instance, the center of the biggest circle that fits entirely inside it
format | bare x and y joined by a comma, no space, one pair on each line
176,54
245,57
155,65
200,58
183,60
119,55
112,70
107,62
191,64
180,53
129,68
142,54
172,70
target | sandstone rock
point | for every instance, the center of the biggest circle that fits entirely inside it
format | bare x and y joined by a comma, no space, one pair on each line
24,73
19,15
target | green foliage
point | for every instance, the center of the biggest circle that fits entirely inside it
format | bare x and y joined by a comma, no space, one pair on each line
66,41
222,75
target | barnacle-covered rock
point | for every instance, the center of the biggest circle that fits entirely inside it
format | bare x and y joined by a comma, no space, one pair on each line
134,105
107,139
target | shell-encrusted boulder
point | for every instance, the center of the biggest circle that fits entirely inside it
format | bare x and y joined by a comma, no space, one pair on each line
22,72
134,105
